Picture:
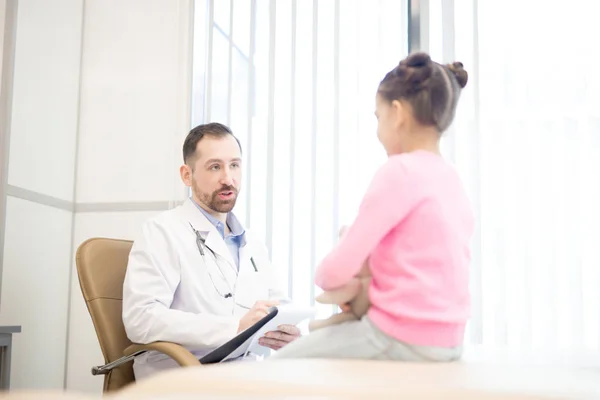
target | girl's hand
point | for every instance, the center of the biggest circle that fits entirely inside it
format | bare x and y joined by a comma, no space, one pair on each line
345,307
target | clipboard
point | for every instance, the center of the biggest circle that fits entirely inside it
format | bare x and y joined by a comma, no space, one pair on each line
223,351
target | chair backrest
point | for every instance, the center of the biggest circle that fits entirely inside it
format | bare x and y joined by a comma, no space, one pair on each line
101,265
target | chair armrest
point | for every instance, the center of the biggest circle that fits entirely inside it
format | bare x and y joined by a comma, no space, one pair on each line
177,352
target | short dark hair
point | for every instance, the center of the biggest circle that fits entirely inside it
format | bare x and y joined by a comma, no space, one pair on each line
430,88
213,129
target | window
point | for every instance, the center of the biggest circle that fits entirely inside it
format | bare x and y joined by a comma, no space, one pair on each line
296,80
526,140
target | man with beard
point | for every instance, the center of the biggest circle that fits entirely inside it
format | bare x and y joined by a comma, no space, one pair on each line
195,276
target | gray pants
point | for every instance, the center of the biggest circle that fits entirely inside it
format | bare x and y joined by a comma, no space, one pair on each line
362,340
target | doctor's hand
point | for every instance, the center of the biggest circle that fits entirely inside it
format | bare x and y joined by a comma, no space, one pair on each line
279,338
258,311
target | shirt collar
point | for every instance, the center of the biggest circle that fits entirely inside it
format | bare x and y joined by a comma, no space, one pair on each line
235,227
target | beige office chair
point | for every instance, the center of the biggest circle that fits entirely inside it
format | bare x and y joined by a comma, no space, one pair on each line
101,265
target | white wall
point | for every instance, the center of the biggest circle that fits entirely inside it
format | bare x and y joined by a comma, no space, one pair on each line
2,17
2,122
45,97
36,267
100,110
35,291
135,90
133,100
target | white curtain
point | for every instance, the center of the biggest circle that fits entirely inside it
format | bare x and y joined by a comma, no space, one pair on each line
296,81
527,141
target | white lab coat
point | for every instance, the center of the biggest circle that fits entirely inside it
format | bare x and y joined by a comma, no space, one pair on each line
172,293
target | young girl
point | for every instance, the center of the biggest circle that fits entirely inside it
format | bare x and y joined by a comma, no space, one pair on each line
414,226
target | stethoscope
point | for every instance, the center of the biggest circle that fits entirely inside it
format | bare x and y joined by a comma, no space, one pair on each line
201,244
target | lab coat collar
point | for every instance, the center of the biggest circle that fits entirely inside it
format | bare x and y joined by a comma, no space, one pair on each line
208,231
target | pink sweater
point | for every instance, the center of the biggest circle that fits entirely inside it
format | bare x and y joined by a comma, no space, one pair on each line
414,224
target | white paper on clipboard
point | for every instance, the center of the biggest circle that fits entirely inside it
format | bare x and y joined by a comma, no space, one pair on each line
287,314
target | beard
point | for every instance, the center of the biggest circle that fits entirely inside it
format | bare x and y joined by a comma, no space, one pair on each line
213,201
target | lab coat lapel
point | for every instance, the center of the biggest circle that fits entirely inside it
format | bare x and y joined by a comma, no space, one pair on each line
245,263
253,284
213,239
249,257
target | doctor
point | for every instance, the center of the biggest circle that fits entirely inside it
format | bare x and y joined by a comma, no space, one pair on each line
195,276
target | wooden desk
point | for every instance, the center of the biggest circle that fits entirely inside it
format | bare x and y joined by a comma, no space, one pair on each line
6,333
360,379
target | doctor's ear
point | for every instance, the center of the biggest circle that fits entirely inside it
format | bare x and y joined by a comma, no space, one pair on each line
185,171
